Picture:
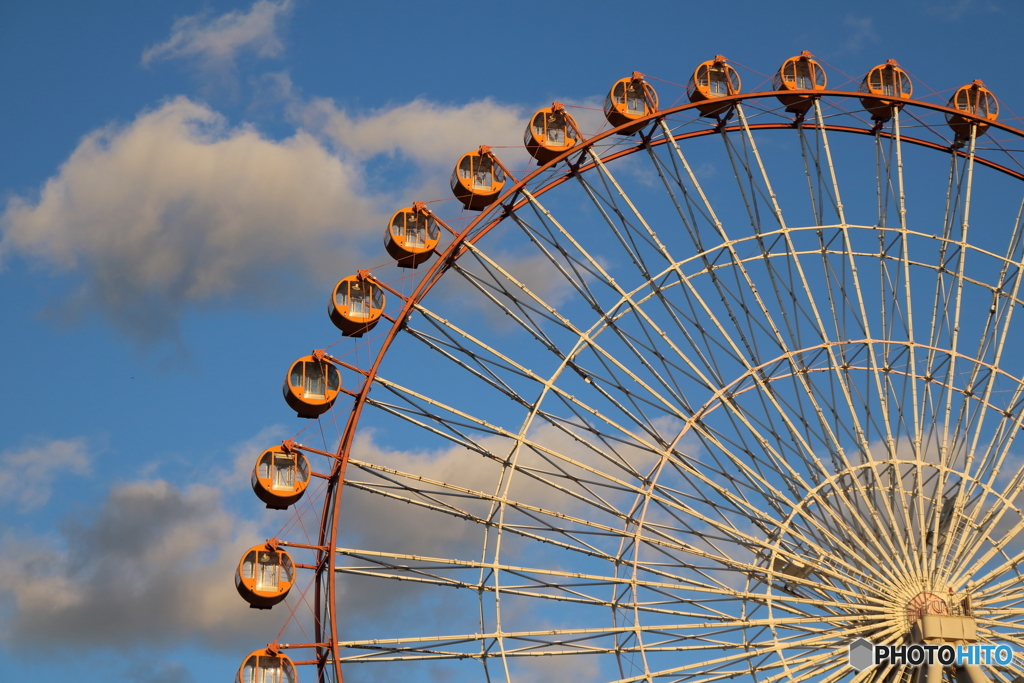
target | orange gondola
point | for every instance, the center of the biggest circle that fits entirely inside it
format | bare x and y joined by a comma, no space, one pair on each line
888,84
264,576
478,179
711,80
267,666
799,73
356,304
280,477
630,99
974,99
551,132
311,386
412,235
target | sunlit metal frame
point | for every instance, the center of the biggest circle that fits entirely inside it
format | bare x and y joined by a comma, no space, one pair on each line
525,192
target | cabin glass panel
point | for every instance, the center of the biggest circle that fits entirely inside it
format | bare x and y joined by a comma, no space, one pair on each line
266,462
635,103
991,107
879,83
963,101
889,82
269,670
619,93
249,565
803,75
314,385
248,673
416,235
466,167
538,126
789,72
716,79
483,174
284,472
556,130
398,224
358,299
268,575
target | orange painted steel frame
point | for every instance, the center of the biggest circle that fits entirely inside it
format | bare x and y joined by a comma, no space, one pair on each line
881,104
247,586
971,98
397,246
618,114
309,407
271,652
263,487
539,146
476,199
709,103
796,103
341,314
326,598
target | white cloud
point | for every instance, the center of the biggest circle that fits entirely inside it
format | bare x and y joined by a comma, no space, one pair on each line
154,566
27,473
424,131
179,209
216,42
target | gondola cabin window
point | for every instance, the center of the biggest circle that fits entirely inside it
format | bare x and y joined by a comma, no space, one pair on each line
311,386
269,575
552,131
280,477
313,382
477,179
267,666
556,130
284,472
977,101
718,80
630,99
413,234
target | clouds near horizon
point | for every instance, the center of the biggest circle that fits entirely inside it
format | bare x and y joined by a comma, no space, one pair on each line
154,565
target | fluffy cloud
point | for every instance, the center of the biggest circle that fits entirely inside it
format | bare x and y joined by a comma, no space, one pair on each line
154,566
424,131
216,42
178,208
26,473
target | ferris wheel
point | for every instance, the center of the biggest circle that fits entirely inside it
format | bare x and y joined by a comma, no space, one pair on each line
710,394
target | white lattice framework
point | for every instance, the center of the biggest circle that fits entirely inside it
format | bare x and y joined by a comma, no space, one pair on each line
727,396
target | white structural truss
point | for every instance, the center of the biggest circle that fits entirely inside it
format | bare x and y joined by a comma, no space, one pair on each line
706,403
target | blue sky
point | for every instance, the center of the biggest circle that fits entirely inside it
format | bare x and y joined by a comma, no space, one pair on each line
181,183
